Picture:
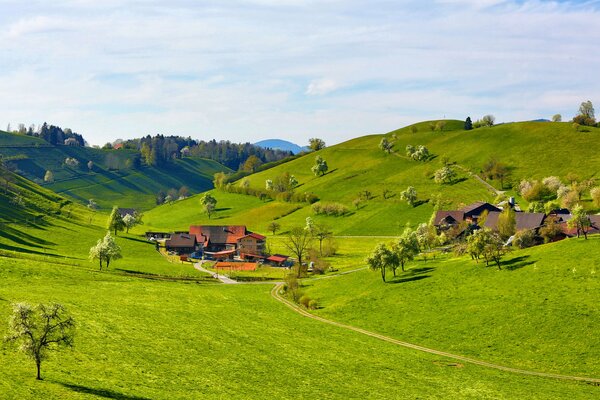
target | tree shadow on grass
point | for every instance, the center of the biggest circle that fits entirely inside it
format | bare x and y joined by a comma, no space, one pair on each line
517,263
105,393
457,181
420,202
134,239
415,274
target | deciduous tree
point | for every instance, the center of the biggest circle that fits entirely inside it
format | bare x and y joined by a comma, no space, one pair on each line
298,241
409,195
40,329
115,221
316,144
320,167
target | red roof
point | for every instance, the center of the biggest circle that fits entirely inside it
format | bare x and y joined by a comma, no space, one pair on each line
218,234
277,258
255,236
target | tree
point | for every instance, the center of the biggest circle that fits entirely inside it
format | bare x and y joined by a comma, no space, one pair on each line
184,192
557,118
380,259
409,195
274,227
320,167
386,145
420,153
293,182
440,125
444,174
298,241
219,179
49,177
551,229
488,120
579,221
316,144
406,248
209,203
321,232
90,165
252,163
487,244
507,223
586,114
130,220
468,124
269,184
586,109
105,250
115,221
39,329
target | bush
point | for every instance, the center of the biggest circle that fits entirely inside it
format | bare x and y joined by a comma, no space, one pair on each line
330,209
595,193
313,304
305,301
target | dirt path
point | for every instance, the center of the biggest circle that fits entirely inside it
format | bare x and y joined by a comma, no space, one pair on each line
294,307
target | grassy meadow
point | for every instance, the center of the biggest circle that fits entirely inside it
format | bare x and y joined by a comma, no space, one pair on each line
139,339
539,313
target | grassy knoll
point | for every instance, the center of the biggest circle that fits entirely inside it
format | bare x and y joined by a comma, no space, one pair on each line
151,339
539,313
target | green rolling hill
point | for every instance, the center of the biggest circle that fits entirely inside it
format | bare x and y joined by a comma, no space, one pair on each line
115,178
148,328
531,150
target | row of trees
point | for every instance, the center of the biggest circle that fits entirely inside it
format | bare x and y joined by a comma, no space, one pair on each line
52,134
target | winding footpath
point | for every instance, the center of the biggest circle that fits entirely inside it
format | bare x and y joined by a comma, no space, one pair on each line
275,293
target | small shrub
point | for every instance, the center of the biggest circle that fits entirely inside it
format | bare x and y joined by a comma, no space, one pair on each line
305,301
313,304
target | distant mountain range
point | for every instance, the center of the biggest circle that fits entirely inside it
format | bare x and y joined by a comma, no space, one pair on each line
279,144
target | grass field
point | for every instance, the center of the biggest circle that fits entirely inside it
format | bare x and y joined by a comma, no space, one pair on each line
540,312
151,339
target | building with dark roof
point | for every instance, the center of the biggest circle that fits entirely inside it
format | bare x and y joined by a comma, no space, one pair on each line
182,243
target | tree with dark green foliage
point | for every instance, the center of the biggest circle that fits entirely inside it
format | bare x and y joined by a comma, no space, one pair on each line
468,124
39,329
586,114
316,144
115,221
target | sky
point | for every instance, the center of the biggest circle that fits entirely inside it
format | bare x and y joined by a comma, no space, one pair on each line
247,70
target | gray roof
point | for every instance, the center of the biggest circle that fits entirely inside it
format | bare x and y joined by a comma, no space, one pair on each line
523,220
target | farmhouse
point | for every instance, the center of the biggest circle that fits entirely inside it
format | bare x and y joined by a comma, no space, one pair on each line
224,242
182,243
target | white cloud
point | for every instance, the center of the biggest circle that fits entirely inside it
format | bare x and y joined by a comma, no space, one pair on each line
239,69
320,87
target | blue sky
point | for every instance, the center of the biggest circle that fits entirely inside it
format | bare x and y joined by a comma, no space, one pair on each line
247,70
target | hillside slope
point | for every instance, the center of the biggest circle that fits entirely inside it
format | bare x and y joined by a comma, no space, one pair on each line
115,177
530,149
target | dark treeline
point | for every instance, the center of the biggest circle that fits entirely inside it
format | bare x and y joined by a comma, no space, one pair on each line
51,134
159,150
